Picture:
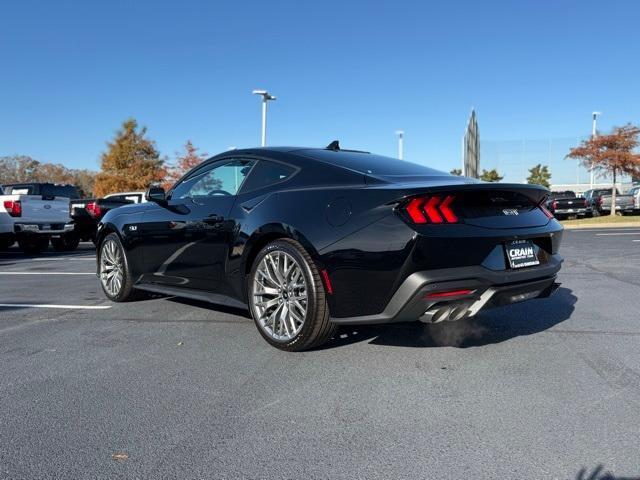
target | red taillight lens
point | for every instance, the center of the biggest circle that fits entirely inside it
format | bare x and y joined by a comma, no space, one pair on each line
586,203
13,207
434,210
93,209
554,205
546,211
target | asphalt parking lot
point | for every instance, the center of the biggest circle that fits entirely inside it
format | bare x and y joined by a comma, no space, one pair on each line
167,388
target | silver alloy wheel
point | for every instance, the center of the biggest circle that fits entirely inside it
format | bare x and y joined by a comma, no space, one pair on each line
279,296
111,267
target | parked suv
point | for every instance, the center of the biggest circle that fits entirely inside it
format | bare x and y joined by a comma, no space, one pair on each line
39,212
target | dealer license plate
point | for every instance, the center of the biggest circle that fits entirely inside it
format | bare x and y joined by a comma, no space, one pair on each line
521,254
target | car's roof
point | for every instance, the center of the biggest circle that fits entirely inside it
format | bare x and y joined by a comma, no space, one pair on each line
352,160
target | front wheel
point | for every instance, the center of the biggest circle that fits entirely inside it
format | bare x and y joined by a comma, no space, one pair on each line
115,277
287,299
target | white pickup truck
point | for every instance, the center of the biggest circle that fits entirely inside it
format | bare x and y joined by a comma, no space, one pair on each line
37,213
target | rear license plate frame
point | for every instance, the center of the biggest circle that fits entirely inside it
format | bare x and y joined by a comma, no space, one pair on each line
521,254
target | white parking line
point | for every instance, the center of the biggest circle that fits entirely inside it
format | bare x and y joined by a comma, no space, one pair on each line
616,234
46,305
47,273
591,230
93,259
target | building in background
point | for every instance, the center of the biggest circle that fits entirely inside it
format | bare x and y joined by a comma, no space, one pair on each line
471,148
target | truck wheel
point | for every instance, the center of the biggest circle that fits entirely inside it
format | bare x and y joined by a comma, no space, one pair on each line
5,243
34,244
287,298
115,277
65,243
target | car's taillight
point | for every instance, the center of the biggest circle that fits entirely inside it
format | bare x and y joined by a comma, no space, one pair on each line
13,207
554,205
586,203
434,209
546,211
93,209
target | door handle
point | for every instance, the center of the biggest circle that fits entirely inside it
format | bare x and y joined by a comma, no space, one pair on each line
213,220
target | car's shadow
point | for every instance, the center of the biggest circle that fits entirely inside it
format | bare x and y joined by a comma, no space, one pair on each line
492,326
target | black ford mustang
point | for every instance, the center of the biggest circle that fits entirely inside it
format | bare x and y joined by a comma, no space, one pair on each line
313,238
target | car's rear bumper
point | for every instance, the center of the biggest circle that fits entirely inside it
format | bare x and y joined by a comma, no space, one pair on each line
571,211
414,299
42,229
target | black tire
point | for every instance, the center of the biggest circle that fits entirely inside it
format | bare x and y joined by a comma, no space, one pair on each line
126,292
65,243
6,243
317,327
34,243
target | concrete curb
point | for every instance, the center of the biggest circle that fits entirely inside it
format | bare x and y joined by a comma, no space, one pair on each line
602,225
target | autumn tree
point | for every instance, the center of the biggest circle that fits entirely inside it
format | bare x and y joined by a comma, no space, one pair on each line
490,175
22,168
539,175
185,161
131,162
611,154
456,171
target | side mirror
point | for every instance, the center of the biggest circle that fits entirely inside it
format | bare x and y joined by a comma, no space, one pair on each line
155,194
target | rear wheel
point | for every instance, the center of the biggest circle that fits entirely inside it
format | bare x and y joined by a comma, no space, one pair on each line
115,277
65,243
5,243
33,243
287,298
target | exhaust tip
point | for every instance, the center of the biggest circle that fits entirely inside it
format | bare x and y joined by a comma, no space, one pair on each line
436,315
458,313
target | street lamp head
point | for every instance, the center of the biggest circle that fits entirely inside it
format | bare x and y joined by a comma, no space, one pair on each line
400,133
265,95
595,114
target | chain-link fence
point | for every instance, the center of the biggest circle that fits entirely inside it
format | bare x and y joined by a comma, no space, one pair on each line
514,158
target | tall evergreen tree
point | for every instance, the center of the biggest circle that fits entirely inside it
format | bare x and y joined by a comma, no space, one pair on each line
131,162
539,175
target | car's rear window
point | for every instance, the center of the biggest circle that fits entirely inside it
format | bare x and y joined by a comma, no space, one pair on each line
370,164
59,191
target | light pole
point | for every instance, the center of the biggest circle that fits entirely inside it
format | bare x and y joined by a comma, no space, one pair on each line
266,96
400,134
593,135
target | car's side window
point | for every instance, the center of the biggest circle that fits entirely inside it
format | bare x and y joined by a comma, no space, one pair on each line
267,173
222,180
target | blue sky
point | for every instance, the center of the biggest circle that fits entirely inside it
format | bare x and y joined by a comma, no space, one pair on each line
355,71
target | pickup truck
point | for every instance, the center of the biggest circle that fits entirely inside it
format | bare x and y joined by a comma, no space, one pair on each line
566,204
86,213
38,212
6,228
625,204
635,192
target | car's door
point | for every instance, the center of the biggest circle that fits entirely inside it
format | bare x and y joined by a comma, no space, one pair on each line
186,242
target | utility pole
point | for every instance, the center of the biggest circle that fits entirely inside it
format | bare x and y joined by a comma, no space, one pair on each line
266,96
400,134
594,133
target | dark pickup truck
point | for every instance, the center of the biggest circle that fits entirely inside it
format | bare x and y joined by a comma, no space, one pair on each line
566,204
86,213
